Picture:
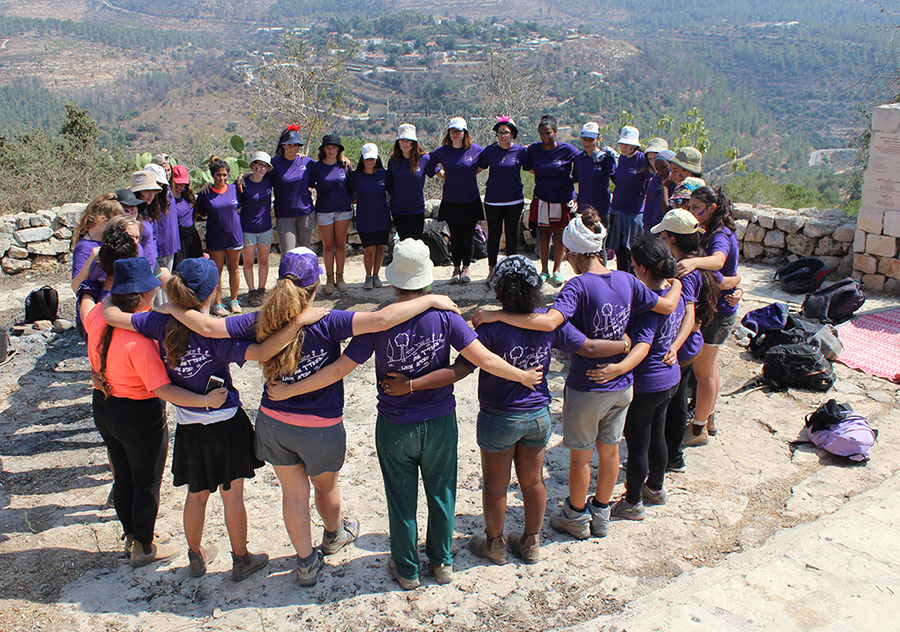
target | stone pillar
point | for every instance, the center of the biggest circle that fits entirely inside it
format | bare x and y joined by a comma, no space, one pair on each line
878,227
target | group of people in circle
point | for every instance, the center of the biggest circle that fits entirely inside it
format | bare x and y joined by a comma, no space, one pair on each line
640,337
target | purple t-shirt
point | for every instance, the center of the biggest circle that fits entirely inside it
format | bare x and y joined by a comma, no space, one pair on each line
81,253
552,172
332,187
184,210
652,375
418,346
256,205
406,188
690,293
223,219
167,240
524,349
321,347
653,202
592,173
203,358
290,181
372,213
724,241
631,178
460,171
601,306
504,183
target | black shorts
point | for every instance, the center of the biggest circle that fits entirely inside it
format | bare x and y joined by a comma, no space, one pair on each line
378,238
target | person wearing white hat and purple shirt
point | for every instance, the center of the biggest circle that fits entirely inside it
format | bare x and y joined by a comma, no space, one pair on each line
657,194
593,168
143,184
631,176
456,161
405,183
256,224
167,239
373,217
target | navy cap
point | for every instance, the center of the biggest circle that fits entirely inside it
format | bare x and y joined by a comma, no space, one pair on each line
292,138
133,276
126,197
199,274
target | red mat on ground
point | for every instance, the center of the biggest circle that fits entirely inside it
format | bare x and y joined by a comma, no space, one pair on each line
872,344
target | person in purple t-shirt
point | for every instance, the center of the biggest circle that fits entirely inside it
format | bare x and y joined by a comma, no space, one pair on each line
627,205
373,216
182,200
593,169
655,381
406,183
600,303
86,238
456,162
330,176
713,210
213,448
256,224
295,217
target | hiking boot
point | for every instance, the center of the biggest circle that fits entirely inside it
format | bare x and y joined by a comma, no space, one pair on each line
443,573
526,547
624,509
198,561
341,285
243,566
711,429
694,436
255,299
368,284
309,568
599,519
346,533
651,497
158,553
677,465
376,282
491,549
575,523
405,583
329,286
464,276
129,544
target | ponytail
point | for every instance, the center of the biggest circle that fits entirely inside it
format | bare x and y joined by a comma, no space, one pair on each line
175,341
127,303
282,305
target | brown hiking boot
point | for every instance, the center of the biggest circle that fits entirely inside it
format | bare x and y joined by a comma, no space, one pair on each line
158,553
711,428
526,547
245,565
491,549
198,561
695,435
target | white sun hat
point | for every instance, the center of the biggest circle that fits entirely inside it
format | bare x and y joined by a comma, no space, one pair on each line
411,268
158,172
590,130
407,131
630,136
369,150
458,122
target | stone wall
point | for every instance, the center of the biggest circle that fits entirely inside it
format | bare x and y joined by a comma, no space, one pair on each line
875,247
38,241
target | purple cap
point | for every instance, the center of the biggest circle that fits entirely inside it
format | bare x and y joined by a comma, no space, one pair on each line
302,263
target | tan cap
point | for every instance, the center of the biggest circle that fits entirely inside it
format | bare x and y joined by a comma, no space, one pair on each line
678,221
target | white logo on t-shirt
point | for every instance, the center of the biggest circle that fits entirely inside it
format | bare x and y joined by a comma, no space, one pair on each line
192,361
406,355
310,363
610,321
526,357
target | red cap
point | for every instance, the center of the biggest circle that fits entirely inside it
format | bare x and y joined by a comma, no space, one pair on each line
180,175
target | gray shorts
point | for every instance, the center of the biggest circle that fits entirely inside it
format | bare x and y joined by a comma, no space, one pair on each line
294,231
716,331
319,450
591,417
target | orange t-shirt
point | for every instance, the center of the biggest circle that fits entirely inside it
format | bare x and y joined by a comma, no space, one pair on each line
133,366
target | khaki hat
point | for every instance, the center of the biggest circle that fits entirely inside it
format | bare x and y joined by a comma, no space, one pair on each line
690,159
411,268
143,181
656,145
678,221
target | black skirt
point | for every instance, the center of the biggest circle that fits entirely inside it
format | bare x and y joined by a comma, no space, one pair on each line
191,246
209,455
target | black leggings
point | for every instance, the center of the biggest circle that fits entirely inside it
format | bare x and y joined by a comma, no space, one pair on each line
677,416
409,226
496,216
137,439
461,220
645,436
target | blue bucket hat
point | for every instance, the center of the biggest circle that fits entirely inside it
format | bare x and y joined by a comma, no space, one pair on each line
292,138
200,274
133,276
302,263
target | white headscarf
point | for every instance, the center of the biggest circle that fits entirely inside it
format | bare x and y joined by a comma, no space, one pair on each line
579,238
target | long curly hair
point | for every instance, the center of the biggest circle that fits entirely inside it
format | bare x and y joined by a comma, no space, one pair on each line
101,209
127,303
117,243
282,305
175,341
705,305
517,295
721,217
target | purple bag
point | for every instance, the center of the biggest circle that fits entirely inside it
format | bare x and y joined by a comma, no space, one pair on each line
772,316
837,429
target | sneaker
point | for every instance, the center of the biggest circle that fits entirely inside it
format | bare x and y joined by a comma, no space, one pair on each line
464,276
129,544
491,549
341,285
198,561
544,276
624,509
443,573
376,282
368,284
526,547
454,279
711,429
245,565
158,553
695,435
568,520
654,497
235,306
676,466
346,533
599,520
405,583
220,310
309,568
558,278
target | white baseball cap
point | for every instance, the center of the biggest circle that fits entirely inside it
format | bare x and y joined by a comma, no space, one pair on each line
590,130
630,136
369,150
407,131
457,122
679,222
411,267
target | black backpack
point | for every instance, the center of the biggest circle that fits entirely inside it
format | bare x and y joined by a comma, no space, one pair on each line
802,276
797,365
768,338
835,303
42,304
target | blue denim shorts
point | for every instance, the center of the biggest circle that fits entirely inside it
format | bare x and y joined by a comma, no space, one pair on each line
498,431
327,219
263,239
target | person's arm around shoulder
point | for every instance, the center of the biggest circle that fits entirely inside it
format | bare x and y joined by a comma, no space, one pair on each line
265,350
396,313
548,321
397,384
665,305
479,355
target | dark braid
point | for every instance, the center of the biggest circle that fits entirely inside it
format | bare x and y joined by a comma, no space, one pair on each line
127,303
721,217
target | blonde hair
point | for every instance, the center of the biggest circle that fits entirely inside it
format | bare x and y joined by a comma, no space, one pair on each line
175,341
103,206
282,305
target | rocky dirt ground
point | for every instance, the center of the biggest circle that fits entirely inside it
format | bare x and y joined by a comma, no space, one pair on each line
59,547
